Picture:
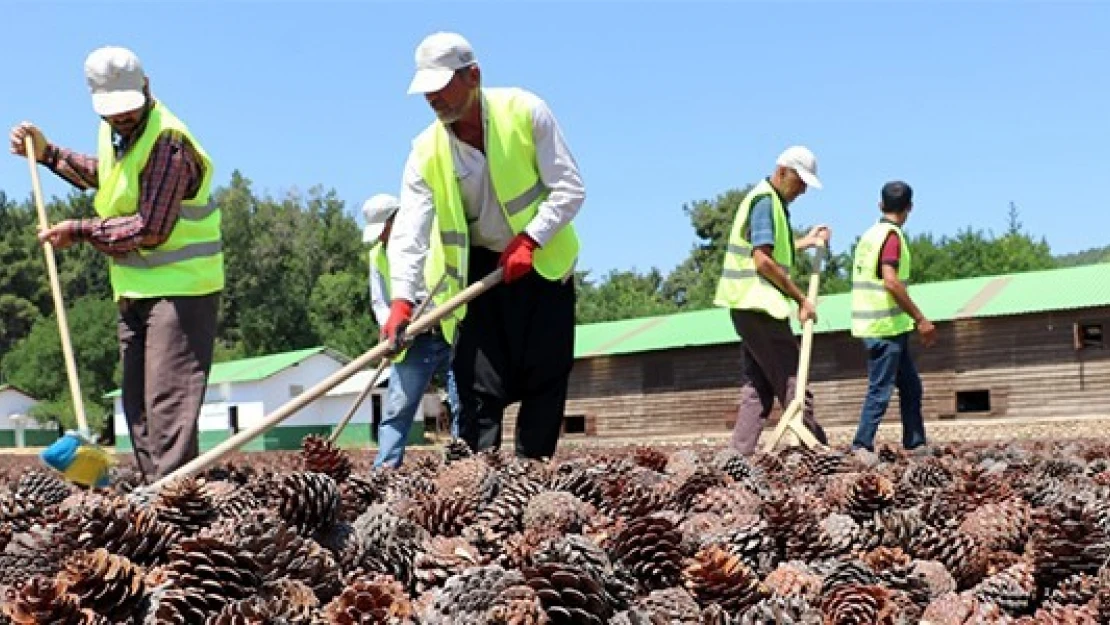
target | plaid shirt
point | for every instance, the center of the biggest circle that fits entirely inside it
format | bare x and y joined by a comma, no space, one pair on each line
172,173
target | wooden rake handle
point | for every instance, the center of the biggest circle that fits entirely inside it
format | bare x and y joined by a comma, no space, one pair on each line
792,415
381,368
381,350
56,291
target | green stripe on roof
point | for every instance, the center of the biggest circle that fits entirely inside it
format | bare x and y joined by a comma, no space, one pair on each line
1029,292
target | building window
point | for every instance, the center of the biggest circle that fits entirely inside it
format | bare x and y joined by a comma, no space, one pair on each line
295,390
574,424
233,419
1089,335
658,374
973,401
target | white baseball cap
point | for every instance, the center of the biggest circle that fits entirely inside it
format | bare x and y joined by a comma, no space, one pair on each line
116,80
801,160
377,210
438,57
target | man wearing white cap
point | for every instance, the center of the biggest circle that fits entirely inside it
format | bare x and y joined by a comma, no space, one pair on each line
426,356
492,180
755,285
155,222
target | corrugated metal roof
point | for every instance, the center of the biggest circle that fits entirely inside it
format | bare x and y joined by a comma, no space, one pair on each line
988,296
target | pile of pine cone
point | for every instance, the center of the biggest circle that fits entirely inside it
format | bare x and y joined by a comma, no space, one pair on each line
987,533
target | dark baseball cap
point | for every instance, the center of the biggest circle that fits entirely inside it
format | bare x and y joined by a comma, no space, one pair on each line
896,196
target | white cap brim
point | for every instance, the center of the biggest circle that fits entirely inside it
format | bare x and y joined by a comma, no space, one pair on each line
371,232
116,102
430,80
810,179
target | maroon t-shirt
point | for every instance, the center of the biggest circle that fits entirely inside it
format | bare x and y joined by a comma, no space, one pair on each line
891,253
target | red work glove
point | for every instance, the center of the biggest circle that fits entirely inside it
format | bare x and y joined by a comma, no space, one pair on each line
400,314
517,257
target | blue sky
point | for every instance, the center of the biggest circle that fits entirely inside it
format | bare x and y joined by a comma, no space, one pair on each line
974,104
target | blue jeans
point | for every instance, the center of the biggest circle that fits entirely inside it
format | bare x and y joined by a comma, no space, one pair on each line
889,364
428,355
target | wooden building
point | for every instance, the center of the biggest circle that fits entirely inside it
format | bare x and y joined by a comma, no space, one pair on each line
1019,345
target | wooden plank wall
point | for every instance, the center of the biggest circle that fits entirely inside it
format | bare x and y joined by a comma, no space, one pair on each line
1028,364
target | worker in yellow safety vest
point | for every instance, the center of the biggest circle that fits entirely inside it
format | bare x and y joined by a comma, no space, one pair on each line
884,316
756,287
494,180
426,356
158,226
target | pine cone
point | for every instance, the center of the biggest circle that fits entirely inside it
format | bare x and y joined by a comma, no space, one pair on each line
1013,590
568,594
848,573
308,501
445,515
126,530
858,605
42,600
700,481
580,552
185,504
469,477
505,513
32,496
456,449
37,551
231,501
467,598
5,535
517,605
727,501
630,499
344,543
377,599
650,458
1000,526
1075,590
390,543
715,576
177,606
221,571
1066,541
556,510
284,601
675,605
651,549
787,515
105,583
751,540
894,528
584,483
358,493
1062,615
927,474
869,494
782,611
793,579
956,550
441,558
322,456
281,553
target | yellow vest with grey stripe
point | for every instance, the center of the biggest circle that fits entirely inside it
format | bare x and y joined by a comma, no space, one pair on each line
741,286
875,312
190,261
380,259
511,157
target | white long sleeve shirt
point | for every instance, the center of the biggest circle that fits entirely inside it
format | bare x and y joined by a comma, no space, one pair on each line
409,240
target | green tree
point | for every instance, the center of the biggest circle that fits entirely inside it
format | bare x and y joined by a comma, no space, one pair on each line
339,312
622,295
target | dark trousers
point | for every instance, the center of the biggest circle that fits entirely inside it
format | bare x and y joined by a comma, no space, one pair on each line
769,354
166,346
890,365
516,343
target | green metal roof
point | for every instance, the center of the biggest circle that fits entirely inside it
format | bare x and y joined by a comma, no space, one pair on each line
258,367
988,296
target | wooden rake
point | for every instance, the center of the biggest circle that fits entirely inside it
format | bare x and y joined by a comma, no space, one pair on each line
793,415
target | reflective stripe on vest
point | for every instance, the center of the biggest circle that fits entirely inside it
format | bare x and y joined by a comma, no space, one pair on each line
190,260
741,286
875,312
511,158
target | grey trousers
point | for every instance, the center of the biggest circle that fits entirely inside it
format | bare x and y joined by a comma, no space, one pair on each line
769,354
166,346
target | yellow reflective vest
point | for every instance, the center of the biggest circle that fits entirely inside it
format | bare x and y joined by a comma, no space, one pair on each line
511,157
875,312
380,260
190,261
741,286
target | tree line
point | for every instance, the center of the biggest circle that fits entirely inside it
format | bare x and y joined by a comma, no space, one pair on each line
297,274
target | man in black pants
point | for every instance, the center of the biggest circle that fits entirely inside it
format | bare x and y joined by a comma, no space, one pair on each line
491,183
